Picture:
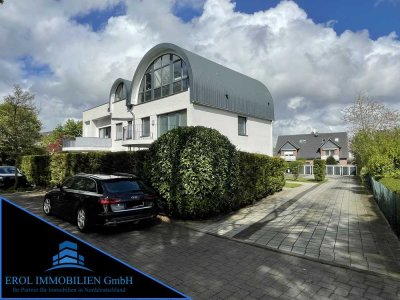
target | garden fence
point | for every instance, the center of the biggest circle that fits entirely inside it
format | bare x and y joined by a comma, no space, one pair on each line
388,202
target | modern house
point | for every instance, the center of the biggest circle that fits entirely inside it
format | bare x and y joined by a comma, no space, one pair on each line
312,146
174,87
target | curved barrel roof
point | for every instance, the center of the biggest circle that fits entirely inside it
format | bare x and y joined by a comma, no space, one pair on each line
212,84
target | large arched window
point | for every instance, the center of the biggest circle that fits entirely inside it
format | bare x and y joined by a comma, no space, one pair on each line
167,75
119,93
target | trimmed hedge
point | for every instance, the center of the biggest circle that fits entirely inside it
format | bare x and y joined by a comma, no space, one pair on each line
36,169
319,170
195,170
44,170
200,173
259,176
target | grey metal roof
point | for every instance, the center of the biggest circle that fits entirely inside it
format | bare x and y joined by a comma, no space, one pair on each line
213,85
126,87
309,148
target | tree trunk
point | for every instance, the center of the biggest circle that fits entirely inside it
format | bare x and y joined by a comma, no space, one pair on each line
16,172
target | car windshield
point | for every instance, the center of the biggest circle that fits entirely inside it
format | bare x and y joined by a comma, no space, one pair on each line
7,170
123,186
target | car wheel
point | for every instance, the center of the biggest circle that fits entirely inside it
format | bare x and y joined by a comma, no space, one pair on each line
83,220
47,207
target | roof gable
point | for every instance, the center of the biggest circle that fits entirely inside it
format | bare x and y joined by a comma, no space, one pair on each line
328,145
289,146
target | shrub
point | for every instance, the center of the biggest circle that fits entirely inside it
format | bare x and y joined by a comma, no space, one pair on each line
331,160
36,169
44,170
294,168
319,170
195,170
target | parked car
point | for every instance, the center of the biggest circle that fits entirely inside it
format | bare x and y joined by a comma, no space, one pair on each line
97,199
7,177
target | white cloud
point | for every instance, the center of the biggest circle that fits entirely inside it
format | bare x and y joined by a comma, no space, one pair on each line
310,70
295,102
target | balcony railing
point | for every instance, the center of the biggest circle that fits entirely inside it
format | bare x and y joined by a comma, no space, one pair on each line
289,157
86,143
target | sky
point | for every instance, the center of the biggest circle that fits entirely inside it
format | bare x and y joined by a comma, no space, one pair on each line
315,57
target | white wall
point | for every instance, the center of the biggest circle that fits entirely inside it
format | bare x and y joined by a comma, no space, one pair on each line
95,118
161,106
259,132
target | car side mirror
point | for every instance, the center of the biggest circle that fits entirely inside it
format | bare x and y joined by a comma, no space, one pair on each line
59,186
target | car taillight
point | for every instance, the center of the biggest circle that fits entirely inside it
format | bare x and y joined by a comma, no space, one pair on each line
150,197
105,201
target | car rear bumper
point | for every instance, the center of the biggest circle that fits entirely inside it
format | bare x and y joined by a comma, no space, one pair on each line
115,218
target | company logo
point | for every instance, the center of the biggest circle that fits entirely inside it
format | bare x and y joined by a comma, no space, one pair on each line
68,257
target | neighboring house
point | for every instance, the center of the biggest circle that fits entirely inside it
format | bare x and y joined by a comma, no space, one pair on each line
174,87
312,146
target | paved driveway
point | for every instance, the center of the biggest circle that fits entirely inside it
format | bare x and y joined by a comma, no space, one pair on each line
336,222
204,266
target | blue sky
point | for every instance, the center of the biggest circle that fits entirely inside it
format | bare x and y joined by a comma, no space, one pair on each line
68,53
379,17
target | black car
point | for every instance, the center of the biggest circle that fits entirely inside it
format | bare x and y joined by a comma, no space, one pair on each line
95,199
7,177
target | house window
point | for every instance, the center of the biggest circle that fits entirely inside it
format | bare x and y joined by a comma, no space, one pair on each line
129,130
170,121
242,126
146,126
118,131
105,132
329,152
119,93
167,75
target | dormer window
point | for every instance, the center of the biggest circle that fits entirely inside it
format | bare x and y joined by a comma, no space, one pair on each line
167,75
119,93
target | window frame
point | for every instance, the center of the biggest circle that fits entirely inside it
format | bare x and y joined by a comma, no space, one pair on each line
120,87
164,89
119,125
142,132
104,127
245,126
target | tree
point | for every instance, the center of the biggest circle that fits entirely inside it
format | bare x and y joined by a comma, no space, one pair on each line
53,141
367,115
331,160
19,125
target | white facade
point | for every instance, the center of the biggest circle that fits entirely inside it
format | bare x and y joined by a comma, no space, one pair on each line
129,121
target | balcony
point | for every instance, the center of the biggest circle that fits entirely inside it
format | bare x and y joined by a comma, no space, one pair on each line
289,157
139,135
86,144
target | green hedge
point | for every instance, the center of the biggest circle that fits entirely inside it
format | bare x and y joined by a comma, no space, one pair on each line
259,176
195,170
319,170
36,169
44,170
200,173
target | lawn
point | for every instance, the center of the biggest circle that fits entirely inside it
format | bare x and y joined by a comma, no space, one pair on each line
302,179
392,184
292,184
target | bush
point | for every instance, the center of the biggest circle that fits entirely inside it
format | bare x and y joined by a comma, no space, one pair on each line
319,170
36,169
44,170
195,170
392,184
331,160
294,168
